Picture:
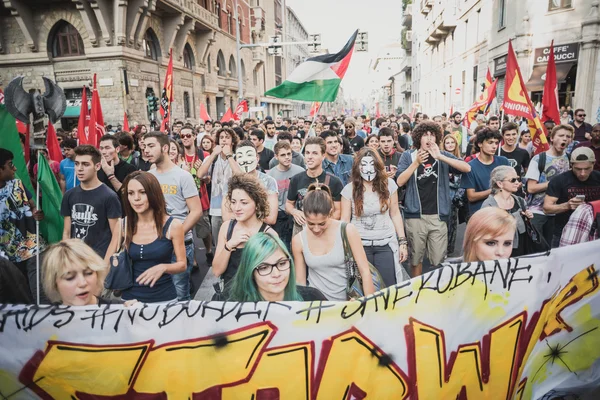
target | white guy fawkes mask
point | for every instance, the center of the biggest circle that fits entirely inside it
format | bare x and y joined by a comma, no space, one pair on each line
246,158
367,168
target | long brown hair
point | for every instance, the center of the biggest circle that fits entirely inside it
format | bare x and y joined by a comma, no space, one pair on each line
380,183
156,203
318,200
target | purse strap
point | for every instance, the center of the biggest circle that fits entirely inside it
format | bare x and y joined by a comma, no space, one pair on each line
122,234
347,249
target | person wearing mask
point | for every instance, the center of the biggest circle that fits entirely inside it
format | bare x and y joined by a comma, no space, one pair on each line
356,141
247,200
569,190
67,176
388,152
542,169
477,182
370,202
319,251
91,210
489,235
182,200
17,224
247,159
583,130
315,149
283,172
257,136
517,157
113,171
505,183
594,145
267,273
426,171
336,164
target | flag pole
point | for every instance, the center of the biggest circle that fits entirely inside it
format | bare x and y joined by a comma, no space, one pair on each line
37,237
314,119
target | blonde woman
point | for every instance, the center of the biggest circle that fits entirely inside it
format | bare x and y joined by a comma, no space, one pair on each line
489,235
450,144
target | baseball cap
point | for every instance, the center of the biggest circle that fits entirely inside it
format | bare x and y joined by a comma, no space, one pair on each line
582,154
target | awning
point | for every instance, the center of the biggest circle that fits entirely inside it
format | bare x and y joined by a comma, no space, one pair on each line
72,112
538,76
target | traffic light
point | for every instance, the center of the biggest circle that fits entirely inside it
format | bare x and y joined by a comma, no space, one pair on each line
155,103
275,48
315,46
362,41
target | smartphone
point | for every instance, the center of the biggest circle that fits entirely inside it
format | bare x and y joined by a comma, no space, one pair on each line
580,197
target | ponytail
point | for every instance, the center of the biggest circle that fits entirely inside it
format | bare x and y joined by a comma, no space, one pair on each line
318,200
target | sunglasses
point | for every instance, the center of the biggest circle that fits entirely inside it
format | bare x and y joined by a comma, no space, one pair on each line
513,180
581,115
186,136
349,126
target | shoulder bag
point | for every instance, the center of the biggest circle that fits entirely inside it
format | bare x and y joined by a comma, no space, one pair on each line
354,288
120,274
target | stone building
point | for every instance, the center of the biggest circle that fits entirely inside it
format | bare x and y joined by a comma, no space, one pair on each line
296,54
126,43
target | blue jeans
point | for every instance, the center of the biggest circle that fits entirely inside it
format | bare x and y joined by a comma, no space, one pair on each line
182,279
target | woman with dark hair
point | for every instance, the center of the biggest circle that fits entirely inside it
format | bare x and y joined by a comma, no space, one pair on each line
266,273
176,153
370,202
207,144
247,199
151,237
372,142
138,133
319,251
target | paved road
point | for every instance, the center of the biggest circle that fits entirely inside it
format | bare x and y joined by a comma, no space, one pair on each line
203,278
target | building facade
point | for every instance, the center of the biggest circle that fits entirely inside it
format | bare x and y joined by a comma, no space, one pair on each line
127,44
296,54
454,42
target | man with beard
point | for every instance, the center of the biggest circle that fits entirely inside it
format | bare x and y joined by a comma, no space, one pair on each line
460,131
582,129
356,141
247,158
271,137
594,144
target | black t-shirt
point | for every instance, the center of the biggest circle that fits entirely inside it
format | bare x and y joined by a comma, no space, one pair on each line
427,181
264,157
122,169
90,211
357,143
281,128
403,141
518,159
565,186
299,187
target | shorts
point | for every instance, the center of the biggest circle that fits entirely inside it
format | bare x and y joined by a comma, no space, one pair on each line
202,229
427,233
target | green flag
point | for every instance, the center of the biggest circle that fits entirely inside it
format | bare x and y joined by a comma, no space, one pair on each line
51,227
9,140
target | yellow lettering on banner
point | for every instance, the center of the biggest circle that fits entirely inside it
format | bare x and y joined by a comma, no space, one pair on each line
583,284
181,369
468,373
287,371
67,369
351,366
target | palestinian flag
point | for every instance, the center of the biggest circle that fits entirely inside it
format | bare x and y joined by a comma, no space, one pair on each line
318,78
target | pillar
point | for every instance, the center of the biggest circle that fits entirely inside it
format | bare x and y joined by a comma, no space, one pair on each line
588,63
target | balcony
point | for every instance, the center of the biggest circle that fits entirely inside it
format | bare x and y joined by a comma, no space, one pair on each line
406,87
257,20
406,65
443,24
426,6
195,10
408,14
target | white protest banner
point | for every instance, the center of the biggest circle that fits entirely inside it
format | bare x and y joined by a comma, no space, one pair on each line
514,329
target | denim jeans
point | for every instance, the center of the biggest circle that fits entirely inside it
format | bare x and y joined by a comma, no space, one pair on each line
182,279
382,258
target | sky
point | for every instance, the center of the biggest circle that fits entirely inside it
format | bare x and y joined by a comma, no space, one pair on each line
336,20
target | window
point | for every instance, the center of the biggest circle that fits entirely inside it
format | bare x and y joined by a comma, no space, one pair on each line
208,64
204,3
558,4
66,41
207,106
186,105
255,76
221,64
150,44
188,56
243,67
230,22
278,79
232,67
502,14
218,12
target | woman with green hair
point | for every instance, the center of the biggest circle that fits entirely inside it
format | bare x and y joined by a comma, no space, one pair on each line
264,274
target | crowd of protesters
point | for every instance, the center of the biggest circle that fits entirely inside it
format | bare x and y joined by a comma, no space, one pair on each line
283,205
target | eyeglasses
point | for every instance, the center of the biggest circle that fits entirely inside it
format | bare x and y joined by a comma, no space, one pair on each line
349,126
581,115
186,136
512,180
265,269
595,130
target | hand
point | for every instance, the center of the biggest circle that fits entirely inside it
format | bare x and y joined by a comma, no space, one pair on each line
206,179
237,238
217,150
185,167
434,150
227,149
197,164
392,172
528,214
38,215
107,167
151,275
299,217
422,156
403,253
131,303
574,203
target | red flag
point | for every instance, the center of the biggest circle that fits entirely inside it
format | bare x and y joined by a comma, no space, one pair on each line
314,108
96,127
228,116
488,78
517,102
482,103
83,127
550,96
204,114
125,122
52,143
377,113
167,95
1,96
240,109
